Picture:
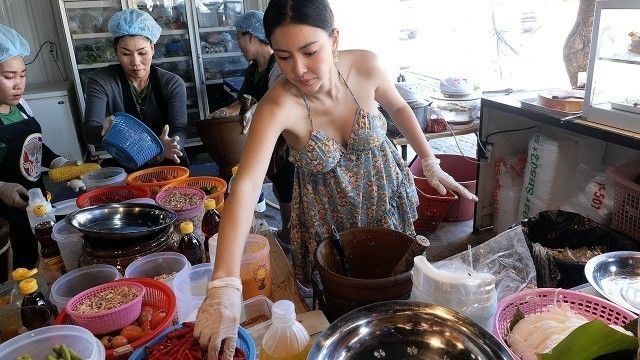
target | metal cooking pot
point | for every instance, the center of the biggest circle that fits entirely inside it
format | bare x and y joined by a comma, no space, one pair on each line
406,330
419,108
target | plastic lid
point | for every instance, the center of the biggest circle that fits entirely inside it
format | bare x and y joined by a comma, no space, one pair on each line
23,273
28,286
40,210
210,204
283,311
186,227
234,169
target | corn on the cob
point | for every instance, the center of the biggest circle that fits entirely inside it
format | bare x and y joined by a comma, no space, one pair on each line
65,173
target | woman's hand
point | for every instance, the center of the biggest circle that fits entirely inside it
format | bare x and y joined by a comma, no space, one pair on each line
10,194
220,113
219,317
170,147
247,117
441,181
106,124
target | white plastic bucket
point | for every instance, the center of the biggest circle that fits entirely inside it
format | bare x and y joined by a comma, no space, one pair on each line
69,240
190,288
158,264
39,342
79,280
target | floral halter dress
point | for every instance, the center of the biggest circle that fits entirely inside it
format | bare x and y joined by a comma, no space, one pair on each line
365,184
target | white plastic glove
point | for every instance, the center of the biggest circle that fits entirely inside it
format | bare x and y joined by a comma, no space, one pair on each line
220,113
106,124
219,317
10,194
441,181
246,119
170,147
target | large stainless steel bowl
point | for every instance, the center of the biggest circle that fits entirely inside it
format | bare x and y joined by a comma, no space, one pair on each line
616,276
122,222
406,330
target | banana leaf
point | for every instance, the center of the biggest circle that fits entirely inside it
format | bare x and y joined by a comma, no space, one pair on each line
589,341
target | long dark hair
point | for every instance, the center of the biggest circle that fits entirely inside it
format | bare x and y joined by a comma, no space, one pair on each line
316,13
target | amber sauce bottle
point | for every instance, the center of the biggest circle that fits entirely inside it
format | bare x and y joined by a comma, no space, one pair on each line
36,309
210,223
189,245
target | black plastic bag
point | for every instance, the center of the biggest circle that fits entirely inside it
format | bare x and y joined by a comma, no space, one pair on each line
557,229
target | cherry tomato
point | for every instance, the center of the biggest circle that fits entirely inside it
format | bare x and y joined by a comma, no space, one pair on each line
157,318
147,308
131,332
144,317
119,341
106,341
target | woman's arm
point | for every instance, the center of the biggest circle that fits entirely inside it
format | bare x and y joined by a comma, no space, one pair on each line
400,112
95,110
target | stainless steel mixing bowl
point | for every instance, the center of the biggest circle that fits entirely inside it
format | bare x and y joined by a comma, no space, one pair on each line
401,329
616,275
121,222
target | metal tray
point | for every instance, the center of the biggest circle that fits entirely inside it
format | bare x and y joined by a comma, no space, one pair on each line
626,106
616,276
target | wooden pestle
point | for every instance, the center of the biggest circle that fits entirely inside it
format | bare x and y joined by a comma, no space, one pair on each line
406,263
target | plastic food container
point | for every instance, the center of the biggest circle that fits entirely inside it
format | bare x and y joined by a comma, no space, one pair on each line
190,288
63,208
69,240
255,267
155,265
39,343
256,317
109,176
74,282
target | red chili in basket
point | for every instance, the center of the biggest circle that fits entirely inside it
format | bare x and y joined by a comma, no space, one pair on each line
179,344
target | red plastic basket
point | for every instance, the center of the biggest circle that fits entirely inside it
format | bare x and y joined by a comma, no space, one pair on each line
535,301
626,201
184,190
111,194
204,182
157,295
432,206
104,322
157,177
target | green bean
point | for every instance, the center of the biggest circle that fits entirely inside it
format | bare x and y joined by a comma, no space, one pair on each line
65,352
74,355
56,349
51,357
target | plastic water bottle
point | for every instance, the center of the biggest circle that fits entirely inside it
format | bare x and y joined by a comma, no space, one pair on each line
261,206
286,338
36,198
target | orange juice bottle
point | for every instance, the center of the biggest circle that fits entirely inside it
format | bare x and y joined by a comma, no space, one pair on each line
286,339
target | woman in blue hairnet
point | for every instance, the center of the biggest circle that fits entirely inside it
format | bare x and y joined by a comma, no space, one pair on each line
258,78
22,151
156,97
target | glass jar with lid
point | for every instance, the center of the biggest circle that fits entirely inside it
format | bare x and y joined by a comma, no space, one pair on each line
456,109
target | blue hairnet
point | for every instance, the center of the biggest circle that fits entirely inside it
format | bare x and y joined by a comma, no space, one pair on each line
251,21
12,44
134,22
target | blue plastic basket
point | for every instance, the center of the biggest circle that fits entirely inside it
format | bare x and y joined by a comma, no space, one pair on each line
130,141
244,342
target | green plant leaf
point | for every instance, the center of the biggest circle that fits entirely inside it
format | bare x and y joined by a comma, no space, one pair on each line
632,326
589,341
517,316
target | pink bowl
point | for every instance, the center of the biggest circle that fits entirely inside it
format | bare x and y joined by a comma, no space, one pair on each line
109,320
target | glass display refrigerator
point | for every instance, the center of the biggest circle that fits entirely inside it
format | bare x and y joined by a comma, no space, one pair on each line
612,95
198,43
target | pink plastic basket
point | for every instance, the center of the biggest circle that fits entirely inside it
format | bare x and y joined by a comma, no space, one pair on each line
626,201
107,321
535,301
